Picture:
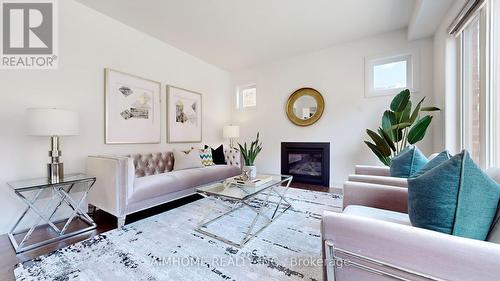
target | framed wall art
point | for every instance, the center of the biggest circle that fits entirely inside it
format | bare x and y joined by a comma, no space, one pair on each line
132,109
184,115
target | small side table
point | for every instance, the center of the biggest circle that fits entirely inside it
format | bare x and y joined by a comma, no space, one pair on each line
61,195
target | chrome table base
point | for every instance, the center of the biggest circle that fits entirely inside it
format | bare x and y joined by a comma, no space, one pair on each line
61,192
257,206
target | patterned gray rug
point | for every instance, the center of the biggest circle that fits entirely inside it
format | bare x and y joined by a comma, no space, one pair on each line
165,247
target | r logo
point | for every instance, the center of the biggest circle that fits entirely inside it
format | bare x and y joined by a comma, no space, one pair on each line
27,28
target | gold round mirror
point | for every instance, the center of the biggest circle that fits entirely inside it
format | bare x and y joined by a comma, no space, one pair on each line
305,106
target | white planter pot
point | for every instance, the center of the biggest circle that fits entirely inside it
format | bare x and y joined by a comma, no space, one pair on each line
251,171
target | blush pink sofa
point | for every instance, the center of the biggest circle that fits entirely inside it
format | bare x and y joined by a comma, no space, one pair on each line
378,175
128,184
373,239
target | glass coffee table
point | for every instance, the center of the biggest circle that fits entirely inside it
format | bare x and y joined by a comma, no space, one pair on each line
249,209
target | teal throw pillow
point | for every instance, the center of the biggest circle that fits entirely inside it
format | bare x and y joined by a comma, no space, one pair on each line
407,162
439,159
455,197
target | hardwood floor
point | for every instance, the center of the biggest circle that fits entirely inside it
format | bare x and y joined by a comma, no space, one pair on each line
310,186
104,221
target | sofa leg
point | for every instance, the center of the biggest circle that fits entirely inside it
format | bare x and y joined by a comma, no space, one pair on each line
121,221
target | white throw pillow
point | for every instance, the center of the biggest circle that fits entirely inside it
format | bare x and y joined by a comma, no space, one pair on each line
186,159
233,157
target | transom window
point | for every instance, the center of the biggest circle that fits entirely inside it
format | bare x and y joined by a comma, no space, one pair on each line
246,96
390,74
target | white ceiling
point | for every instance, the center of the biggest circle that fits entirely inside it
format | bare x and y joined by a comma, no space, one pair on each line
234,34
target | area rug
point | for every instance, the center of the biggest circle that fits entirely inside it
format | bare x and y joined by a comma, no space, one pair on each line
165,247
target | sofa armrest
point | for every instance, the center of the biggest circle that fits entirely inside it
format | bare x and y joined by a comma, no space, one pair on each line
419,250
372,170
114,185
393,181
385,197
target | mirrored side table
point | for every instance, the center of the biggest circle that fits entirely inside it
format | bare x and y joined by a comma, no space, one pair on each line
63,193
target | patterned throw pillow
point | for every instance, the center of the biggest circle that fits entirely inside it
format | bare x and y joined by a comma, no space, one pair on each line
218,155
206,157
233,157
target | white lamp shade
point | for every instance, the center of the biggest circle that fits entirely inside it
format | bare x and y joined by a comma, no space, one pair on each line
231,131
52,122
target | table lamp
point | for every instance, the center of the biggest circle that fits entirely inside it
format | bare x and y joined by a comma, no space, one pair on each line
231,132
54,123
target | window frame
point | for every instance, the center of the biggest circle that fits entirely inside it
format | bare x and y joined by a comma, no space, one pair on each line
239,95
412,58
494,60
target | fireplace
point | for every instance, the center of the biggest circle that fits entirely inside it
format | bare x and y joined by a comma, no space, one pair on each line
307,162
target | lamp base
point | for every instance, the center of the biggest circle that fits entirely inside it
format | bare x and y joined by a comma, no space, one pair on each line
55,172
231,143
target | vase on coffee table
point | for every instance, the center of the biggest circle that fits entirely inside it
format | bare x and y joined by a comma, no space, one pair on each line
250,171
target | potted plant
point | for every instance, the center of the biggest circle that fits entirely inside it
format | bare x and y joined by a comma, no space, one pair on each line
249,154
401,126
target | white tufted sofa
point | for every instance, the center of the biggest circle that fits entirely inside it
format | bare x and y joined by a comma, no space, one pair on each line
131,183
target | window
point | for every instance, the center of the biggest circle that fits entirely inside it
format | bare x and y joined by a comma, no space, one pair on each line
473,93
391,74
477,96
246,96
477,29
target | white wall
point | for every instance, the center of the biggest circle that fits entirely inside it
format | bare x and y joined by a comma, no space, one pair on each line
89,42
337,73
445,83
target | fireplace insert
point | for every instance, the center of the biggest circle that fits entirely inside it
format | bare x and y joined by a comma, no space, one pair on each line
307,162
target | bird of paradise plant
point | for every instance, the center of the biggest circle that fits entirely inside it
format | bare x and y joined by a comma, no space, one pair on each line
401,126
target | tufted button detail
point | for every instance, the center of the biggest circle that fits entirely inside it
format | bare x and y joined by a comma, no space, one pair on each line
152,163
